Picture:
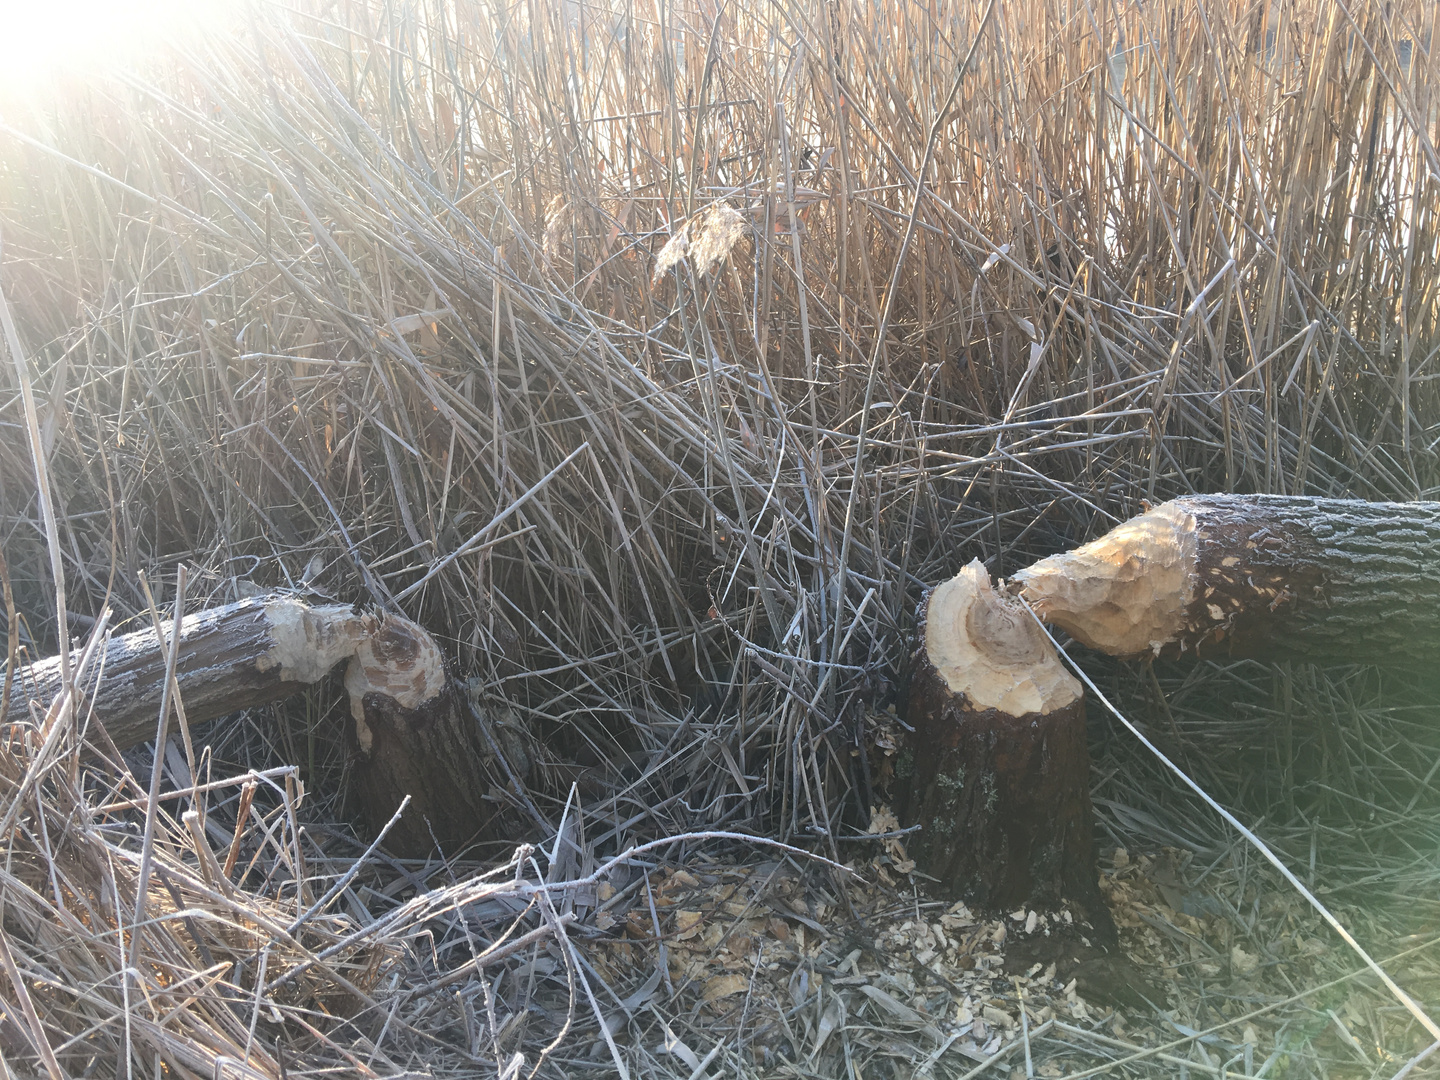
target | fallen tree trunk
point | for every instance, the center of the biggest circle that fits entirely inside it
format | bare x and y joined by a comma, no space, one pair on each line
412,735
230,658
1258,576
1002,772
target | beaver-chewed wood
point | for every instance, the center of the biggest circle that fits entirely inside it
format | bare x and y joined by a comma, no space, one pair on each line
411,735
230,658
417,737
1256,576
1001,767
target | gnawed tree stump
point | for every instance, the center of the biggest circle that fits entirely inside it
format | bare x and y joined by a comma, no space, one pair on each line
1258,576
413,735
416,737
1002,770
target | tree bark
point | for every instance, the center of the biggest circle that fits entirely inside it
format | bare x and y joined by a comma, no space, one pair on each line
230,658
1255,576
1001,768
412,734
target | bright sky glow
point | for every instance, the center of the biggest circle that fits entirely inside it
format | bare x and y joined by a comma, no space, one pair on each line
45,40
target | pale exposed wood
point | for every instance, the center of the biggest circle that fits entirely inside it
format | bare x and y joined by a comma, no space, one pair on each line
989,649
1126,592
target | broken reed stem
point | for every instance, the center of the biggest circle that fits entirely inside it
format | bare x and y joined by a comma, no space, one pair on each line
343,882
242,815
12,635
157,766
173,687
243,781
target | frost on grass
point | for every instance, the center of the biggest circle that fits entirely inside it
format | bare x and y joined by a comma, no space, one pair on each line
707,238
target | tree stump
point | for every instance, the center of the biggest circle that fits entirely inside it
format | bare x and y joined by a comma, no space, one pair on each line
417,737
1255,576
1002,770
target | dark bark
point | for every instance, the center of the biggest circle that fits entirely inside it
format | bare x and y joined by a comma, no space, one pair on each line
1265,576
1004,801
427,745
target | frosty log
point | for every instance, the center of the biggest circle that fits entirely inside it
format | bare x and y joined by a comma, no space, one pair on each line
1260,576
412,735
1001,781
230,658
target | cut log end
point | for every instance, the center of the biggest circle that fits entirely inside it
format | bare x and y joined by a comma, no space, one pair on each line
1265,577
1128,592
987,647
397,660
1001,767
307,642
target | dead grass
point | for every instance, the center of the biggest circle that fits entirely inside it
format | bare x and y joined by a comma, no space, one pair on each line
364,300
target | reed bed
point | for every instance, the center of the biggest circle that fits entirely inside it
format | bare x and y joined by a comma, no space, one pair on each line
657,355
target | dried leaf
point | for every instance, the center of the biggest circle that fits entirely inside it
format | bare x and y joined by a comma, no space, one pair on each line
997,1017
671,254
1242,962
994,257
723,986
707,238
675,1045
882,820
830,1021
644,993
